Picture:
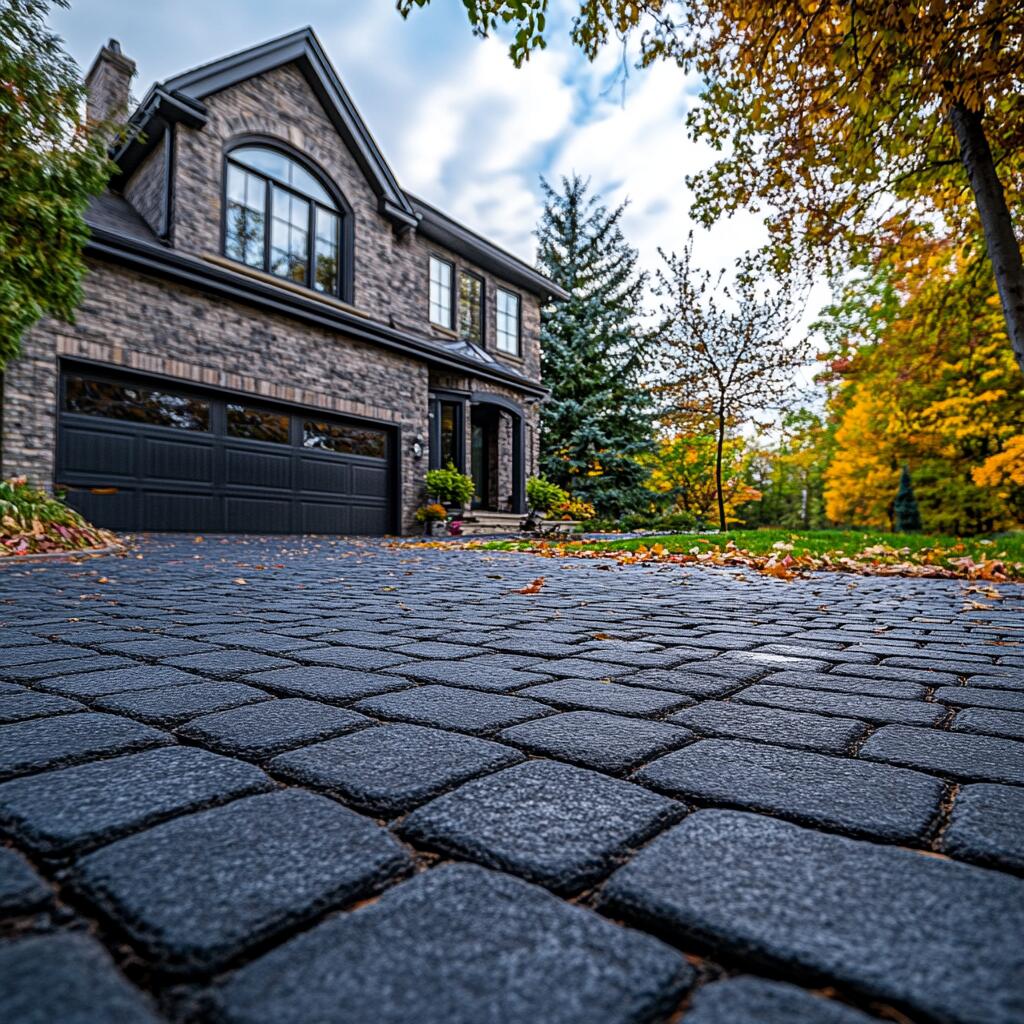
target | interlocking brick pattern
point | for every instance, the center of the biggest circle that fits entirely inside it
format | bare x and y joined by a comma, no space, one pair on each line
374,784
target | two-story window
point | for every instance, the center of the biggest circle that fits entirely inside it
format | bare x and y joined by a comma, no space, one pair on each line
507,322
279,218
461,309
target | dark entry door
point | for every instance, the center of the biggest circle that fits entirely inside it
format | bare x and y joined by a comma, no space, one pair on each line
135,454
483,455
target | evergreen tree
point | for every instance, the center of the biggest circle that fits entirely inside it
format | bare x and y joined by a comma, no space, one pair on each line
594,353
906,517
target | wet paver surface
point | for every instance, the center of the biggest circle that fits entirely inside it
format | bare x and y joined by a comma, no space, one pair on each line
308,780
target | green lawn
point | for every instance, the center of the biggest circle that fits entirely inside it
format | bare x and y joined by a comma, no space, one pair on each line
890,548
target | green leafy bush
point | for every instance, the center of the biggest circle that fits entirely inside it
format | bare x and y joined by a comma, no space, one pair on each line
448,484
34,522
543,495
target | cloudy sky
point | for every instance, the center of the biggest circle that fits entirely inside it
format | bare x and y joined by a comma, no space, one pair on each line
459,125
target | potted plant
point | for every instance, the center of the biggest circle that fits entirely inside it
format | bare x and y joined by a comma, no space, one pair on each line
451,487
541,497
432,517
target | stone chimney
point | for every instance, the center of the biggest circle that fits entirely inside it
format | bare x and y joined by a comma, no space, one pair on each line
108,84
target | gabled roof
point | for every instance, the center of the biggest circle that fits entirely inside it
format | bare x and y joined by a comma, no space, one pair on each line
303,49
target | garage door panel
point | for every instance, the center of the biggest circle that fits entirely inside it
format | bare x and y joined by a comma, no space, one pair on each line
329,476
324,517
370,481
257,515
253,468
171,459
115,511
169,510
369,519
88,451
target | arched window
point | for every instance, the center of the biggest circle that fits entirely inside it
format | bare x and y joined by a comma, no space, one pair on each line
280,218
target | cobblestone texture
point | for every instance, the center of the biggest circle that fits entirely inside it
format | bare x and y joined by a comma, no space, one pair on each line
407,707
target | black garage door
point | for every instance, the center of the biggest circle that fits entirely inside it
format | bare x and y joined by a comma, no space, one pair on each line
135,454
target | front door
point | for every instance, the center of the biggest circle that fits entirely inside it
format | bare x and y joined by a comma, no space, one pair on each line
480,466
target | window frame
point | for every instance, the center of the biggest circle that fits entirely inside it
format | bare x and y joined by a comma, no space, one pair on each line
452,296
518,352
345,274
479,278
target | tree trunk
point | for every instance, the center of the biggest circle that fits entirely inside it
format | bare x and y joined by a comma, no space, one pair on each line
718,470
1000,240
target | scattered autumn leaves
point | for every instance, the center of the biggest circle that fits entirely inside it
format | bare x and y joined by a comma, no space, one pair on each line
782,562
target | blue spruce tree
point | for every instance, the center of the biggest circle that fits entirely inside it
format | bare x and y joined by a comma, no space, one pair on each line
598,420
906,515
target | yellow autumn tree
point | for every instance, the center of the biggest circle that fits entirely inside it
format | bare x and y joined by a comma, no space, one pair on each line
929,382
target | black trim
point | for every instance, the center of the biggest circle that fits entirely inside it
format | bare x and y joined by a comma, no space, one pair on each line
167,208
437,399
195,273
346,215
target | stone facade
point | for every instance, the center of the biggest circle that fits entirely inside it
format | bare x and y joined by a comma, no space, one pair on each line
139,321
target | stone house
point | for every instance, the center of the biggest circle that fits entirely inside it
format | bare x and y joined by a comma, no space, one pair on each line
274,335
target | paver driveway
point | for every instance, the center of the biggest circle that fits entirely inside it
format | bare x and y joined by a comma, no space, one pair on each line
304,781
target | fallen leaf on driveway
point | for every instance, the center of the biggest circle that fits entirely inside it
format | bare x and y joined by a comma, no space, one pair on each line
239,580
533,587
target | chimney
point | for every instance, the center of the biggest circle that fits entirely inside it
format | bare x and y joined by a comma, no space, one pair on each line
108,84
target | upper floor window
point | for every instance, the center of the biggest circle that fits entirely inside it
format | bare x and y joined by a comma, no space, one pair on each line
471,301
507,322
281,219
440,292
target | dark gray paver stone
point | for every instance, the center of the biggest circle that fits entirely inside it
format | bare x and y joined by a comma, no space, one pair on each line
592,695
227,664
194,892
959,664
173,705
847,684
461,945
120,680
351,657
830,792
585,668
55,812
67,666
771,725
270,727
843,910
70,739
758,1001
552,823
66,979
337,685
21,889
846,705
959,755
449,707
993,723
473,676
157,647
435,649
883,673
684,681
12,657
987,826
269,643
19,707
391,768
608,743
976,697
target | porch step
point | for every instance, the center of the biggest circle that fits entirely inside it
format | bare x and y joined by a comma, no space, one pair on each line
479,522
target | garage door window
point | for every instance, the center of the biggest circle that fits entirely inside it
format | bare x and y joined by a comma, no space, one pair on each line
114,401
344,439
257,424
